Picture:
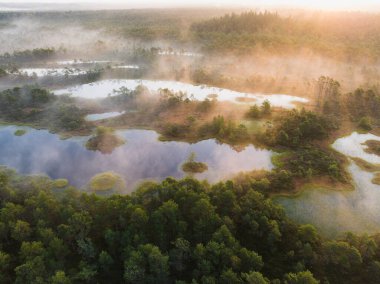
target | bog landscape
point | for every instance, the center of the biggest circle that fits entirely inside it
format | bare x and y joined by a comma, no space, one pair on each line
189,144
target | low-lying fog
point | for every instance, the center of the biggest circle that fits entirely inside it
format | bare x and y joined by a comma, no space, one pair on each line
105,88
75,40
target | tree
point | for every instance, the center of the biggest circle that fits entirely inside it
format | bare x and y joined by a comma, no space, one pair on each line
254,112
229,277
5,263
30,250
105,261
60,278
266,108
303,277
21,230
254,277
146,265
80,225
301,127
180,255
32,271
308,234
341,259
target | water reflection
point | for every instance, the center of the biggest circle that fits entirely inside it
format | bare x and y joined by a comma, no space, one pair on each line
142,157
335,212
102,89
104,115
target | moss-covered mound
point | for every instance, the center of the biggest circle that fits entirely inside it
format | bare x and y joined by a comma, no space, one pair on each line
60,183
106,182
20,132
192,166
104,141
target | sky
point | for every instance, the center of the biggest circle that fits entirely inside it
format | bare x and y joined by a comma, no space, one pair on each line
316,4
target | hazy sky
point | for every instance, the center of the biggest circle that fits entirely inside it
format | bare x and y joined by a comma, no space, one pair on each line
318,4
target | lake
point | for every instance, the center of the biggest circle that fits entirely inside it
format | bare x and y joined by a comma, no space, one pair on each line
143,157
104,88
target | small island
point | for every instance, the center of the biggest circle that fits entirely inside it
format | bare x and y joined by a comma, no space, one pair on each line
192,166
60,183
20,132
105,140
373,147
107,182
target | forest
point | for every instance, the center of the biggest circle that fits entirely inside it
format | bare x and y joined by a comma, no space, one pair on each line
341,35
177,231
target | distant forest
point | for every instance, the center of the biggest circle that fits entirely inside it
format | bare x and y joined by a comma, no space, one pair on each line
341,35
346,35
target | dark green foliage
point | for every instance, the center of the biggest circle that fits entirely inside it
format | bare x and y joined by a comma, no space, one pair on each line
36,105
23,103
304,277
312,161
298,128
183,231
146,265
281,180
66,117
223,129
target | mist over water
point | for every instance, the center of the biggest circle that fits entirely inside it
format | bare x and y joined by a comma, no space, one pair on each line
103,89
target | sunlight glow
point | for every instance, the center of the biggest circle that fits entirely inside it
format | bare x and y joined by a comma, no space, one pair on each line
321,4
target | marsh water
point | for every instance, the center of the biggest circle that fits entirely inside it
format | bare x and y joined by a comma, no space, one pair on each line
335,212
142,157
104,88
104,115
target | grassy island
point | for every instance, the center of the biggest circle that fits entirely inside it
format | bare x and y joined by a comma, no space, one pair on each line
105,140
192,166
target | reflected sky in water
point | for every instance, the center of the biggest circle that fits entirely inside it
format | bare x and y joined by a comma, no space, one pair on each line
104,88
334,212
142,157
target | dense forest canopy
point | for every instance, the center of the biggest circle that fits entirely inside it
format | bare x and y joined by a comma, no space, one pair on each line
173,232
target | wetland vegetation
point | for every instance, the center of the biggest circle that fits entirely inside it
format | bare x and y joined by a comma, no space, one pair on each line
189,146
